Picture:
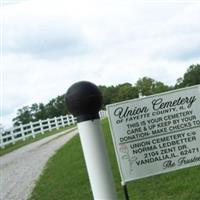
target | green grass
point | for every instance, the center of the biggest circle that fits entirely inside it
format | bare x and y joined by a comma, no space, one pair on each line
21,143
65,178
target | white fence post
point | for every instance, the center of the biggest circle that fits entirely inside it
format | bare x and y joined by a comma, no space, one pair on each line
62,121
12,136
41,126
73,120
68,120
32,131
22,132
49,124
56,122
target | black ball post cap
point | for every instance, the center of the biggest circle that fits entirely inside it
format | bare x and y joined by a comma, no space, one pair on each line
84,100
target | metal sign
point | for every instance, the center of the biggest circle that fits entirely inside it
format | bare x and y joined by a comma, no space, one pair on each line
156,134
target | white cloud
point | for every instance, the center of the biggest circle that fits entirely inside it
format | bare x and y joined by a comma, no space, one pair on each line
48,45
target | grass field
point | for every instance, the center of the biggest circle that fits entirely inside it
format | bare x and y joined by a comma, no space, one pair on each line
21,143
65,178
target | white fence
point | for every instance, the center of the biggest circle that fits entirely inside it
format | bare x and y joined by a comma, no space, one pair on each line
22,132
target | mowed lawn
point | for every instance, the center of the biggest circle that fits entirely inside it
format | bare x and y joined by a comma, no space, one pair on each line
65,178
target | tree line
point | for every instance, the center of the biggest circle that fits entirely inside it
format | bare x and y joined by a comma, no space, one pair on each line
145,86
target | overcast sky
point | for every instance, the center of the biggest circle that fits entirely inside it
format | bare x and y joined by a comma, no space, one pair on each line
48,45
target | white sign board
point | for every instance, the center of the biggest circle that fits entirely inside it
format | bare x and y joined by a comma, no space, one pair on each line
156,134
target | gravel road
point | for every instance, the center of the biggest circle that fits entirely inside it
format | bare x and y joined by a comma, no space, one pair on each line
21,168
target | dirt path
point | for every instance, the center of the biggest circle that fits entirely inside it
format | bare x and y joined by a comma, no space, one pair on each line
21,168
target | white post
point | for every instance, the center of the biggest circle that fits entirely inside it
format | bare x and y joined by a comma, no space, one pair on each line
96,159
63,124
12,136
84,101
32,131
56,122
73,120
68,120
49,124
22,132
41,126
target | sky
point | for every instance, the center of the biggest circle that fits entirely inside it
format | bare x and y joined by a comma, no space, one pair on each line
48,45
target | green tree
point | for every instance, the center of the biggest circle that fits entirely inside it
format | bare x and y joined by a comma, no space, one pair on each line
126,91
24,116
61,105
118,93
56,107
34,109
191,77
41,113
148,86
145,85
161,87
109,94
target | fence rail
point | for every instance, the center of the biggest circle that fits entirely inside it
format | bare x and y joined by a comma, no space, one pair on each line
22,132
